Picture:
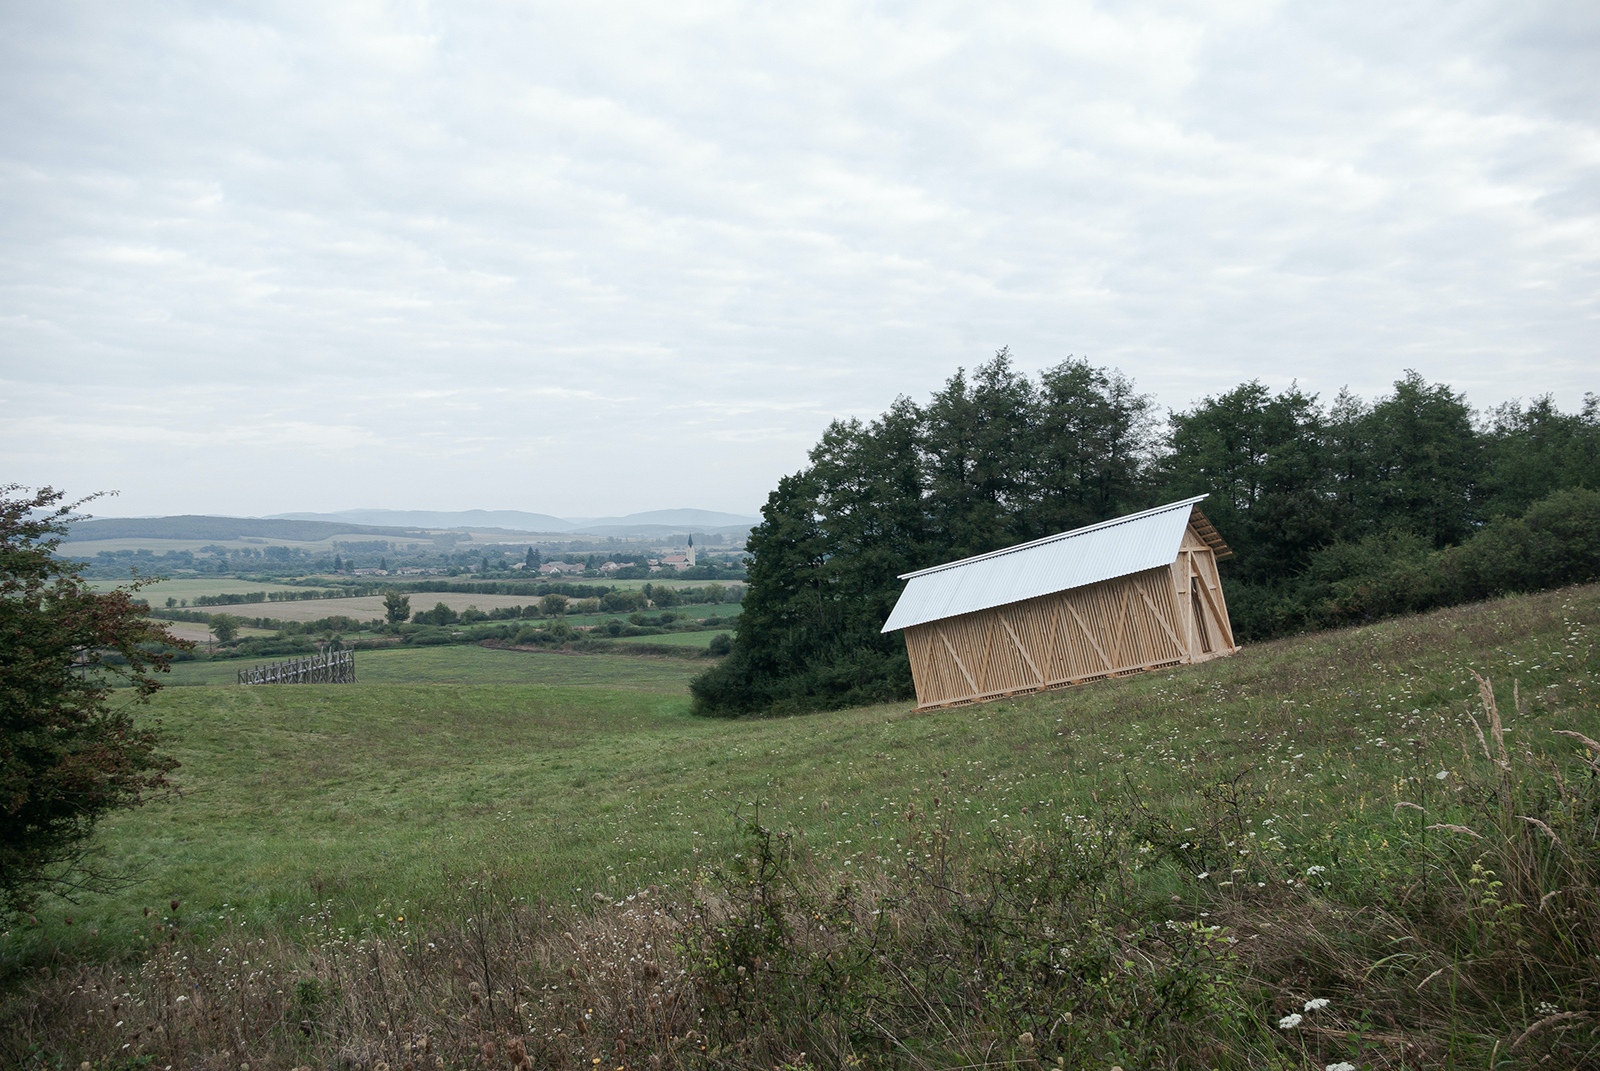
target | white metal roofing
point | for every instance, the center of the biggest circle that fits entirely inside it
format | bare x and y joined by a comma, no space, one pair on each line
1072,559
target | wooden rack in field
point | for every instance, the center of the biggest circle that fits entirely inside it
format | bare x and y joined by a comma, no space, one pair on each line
332,667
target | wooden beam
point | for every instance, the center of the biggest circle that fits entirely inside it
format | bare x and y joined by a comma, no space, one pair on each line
1087,634
1157,613
1021,650
1122,621
1220,615
957,658
1000,692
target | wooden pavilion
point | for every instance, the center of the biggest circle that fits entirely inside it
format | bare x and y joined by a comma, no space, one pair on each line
1135,593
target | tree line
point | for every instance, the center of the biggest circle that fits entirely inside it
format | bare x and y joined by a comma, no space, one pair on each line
1337,512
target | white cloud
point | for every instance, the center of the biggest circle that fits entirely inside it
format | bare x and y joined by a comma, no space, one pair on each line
589,259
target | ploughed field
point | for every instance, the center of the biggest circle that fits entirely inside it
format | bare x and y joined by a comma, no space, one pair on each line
1193,854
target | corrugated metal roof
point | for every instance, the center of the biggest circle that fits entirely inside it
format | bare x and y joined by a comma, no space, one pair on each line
1072,559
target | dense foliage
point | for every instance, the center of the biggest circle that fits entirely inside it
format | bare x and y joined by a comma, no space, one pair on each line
1336,513
69,753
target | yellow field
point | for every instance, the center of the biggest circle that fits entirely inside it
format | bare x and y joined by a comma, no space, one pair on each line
368,606
191,630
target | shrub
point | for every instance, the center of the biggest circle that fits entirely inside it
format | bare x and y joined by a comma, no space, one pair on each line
622,602
439,615
663,596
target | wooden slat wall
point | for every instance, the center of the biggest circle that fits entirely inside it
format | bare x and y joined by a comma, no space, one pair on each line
1137,622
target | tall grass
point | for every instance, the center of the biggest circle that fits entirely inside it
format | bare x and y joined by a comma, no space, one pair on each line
1460,927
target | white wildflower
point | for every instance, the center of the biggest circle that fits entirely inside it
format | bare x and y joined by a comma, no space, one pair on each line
1313,871
1203,875
1316,1004
1546,1008
1441,775
1342,1065
1290,1021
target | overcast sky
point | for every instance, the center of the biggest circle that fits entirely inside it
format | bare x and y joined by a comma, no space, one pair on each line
587,259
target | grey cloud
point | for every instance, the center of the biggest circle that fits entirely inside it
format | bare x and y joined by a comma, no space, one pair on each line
600,258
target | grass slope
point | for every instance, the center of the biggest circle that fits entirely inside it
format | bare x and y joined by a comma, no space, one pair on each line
471,664
561,773
1308,855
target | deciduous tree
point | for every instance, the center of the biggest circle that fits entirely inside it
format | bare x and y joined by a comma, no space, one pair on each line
71,750
396,607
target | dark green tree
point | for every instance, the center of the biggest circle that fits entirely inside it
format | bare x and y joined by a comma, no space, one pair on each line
1262,459
1531,453
396,607
1424,463
975,442
1317,504
71,751
224,627
439,615
1089,446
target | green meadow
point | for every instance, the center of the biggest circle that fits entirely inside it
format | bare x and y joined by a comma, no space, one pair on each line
560,774
675,639
471,664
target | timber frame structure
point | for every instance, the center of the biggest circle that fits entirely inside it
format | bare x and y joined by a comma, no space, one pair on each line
1135,593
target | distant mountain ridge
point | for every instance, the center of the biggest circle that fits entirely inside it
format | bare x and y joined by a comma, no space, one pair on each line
649,522
311,527
195,526
514,520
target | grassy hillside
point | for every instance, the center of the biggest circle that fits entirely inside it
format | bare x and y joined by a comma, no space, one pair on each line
555,779
471,664
561,770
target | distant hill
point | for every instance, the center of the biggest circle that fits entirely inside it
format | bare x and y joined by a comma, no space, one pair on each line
509,519
699,520
222,528
310,527
660,522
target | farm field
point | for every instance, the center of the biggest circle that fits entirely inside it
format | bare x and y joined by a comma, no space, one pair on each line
88,548
192,588
368,607
471,664
199,633
559,774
